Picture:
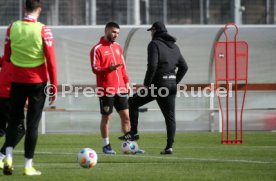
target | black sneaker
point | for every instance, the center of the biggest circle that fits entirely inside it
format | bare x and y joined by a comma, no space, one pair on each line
167,151
129,136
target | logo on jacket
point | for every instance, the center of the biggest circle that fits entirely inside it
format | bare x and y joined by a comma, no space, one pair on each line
49,43
106,53
117,51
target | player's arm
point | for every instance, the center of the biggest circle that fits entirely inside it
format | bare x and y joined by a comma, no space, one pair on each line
95,59
182,68
49,53
152,64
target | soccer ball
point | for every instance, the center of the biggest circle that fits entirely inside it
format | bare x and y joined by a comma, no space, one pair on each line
87,158
129,147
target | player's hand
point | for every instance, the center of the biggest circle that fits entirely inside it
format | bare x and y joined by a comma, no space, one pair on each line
114,66
52,99
128,88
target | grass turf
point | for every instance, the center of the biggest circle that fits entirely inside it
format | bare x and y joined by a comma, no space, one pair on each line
197,156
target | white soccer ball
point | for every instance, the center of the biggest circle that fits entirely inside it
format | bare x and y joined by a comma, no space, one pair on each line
87,158
129,147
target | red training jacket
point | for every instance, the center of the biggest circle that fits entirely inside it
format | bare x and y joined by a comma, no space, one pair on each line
37,74
5,78
102,55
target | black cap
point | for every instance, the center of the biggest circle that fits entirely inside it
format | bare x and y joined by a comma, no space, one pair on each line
158,26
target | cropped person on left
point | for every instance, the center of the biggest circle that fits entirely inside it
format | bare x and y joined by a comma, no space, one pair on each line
29,46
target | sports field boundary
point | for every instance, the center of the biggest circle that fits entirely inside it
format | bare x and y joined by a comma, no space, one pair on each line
155,157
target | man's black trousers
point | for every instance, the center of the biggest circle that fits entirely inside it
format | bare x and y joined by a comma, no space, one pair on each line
5,107
166,104
36,99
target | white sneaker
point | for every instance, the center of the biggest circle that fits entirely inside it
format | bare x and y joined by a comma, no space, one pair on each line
31,172
8,169
1,164
2,161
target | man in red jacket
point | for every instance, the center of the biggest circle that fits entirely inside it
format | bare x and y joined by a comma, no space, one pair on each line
5,85
112,81
5,103
30,48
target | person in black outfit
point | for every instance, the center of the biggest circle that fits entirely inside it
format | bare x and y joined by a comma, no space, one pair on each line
164,57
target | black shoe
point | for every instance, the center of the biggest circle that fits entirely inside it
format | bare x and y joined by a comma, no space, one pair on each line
129,137
167,151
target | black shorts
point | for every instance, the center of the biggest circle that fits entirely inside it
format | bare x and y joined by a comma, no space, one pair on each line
120,102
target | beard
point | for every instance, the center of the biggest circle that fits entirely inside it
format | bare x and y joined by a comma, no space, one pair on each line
110,38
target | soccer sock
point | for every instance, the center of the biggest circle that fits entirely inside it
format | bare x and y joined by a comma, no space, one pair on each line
105,141
9,152
28,163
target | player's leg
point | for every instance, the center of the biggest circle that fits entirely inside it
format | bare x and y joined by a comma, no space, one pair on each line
6,109
36,97
137,100
167,106
18,99
106,107
125,122
105,119
121,106
4,114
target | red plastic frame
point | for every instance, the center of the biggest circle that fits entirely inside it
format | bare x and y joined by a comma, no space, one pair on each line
231,66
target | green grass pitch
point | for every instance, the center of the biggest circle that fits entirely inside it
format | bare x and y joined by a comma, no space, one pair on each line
197,156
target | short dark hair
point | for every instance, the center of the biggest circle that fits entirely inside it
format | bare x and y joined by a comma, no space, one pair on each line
32,5
112,25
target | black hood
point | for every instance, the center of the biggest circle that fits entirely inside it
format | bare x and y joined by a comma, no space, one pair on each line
158,27
165,37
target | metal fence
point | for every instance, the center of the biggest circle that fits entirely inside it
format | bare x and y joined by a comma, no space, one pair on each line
127,12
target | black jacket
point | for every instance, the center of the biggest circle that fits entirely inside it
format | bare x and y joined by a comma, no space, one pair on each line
164,57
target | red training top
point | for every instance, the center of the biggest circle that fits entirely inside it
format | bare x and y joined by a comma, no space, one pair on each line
36,74
102,55
5,78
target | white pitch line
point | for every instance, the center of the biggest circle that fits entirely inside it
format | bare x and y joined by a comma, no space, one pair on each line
202,159
166,157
